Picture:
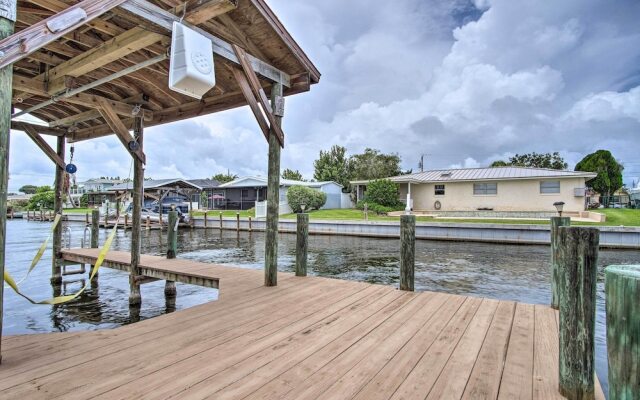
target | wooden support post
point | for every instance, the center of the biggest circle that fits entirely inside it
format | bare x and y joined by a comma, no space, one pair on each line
622,291
95,228
86,219
138,182
126,220
556,223
148,222
56,261
6,74
221,221
407,251
302,242
238,222
250,227
205,219
172,248
577,265
41,215
273,198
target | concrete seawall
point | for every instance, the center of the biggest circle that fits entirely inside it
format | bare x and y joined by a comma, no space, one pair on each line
610,236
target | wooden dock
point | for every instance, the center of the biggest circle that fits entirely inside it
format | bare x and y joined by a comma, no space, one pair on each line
309,337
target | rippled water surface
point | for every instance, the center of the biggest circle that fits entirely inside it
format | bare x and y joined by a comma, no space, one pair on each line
511,272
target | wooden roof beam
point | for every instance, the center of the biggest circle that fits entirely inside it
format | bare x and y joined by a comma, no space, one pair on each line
22,43
199,11
165,19
111,50
44,146
35,87
121,131
258,94
44,130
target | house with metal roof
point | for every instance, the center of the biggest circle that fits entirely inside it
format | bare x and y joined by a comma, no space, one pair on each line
491,189
243,193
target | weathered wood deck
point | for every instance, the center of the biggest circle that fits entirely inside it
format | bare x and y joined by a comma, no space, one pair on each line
306,338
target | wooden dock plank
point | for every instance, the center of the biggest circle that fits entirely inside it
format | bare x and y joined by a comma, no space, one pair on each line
484,382
309,337
455,374
517,382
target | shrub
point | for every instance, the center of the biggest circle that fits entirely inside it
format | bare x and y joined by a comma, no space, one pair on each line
84,200
377,208
382,192
298,195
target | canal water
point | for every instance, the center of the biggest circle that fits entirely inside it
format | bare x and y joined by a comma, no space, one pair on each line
510,272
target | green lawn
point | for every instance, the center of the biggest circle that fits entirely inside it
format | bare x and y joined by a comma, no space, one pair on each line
615,217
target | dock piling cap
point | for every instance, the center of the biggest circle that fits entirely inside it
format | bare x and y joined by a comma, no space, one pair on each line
627,271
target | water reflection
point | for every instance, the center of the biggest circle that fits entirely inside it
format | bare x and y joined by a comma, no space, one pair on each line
512,272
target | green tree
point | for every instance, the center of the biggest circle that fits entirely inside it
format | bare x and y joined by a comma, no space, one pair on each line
539,160
498,163
293,175
224,178
28,189
374,165
332,165
204,200
43,198
609,172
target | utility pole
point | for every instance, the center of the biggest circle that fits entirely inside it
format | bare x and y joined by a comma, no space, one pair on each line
421,163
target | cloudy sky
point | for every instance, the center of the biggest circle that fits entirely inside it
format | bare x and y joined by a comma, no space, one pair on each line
463,82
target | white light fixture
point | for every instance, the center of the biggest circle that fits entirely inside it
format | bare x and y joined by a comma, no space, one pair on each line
559,205
191,70
303,207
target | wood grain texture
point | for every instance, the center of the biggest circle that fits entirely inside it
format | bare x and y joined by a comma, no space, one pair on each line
302,243
578,269
407,252
556,223
307,337
622,288
273,203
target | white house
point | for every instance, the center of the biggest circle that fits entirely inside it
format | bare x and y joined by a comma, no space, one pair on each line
497,189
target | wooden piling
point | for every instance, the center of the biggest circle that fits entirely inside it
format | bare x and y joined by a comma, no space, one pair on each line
407,251
556,223
126,220
172,248
56,261
273,198
577,266
86,218
205,219
250,227
238,222
138,181
148,222
220,221
6,78
302,242
95,228
622,292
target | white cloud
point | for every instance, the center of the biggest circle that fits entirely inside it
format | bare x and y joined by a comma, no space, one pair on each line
465,81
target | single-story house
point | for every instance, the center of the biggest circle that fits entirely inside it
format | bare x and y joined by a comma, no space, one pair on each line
497,189
243,193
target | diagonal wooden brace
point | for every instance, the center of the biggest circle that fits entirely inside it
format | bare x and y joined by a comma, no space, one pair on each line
44,146
121,131
258,93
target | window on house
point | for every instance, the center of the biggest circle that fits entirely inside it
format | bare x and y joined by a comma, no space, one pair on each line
439,190
547,187
485,188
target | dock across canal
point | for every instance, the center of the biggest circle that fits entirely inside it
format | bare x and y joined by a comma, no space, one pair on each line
309,337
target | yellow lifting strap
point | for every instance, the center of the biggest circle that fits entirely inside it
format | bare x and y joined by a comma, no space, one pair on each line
64,299
42,248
